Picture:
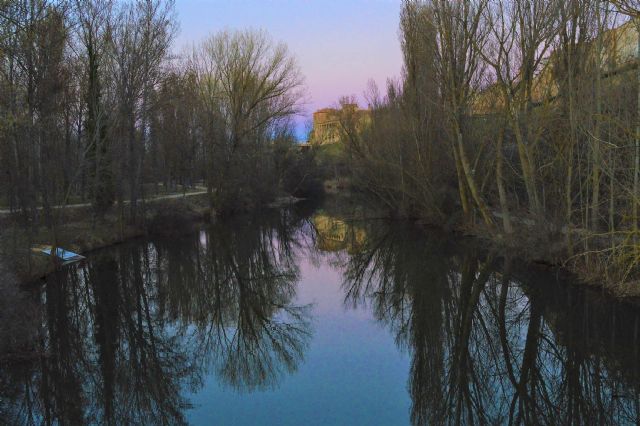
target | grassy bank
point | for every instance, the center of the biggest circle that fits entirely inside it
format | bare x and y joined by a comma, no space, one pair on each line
578,252
81,234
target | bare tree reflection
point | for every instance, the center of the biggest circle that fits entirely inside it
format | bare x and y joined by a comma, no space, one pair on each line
247,321
120,339
486,346
123,336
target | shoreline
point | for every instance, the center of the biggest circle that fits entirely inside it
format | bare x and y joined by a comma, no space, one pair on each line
164,217
174,217
168,217
554,258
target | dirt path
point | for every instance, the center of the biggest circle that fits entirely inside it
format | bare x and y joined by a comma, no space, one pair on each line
201,191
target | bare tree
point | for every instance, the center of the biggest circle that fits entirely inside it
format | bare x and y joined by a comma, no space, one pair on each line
141,41
461,36
248,86
95,25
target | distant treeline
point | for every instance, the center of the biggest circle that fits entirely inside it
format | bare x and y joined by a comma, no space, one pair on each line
96,108
518,116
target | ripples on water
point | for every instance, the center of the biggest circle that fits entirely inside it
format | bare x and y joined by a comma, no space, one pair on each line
318,318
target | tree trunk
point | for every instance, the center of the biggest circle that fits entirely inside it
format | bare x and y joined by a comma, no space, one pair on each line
473,189
595,176
462,187
636,166
528,174
504,205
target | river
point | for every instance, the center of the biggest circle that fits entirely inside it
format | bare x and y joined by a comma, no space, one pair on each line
319,317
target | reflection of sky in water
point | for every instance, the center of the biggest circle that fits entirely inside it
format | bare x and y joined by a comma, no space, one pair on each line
248,322
351,370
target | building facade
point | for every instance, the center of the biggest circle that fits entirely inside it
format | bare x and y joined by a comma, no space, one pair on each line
329,124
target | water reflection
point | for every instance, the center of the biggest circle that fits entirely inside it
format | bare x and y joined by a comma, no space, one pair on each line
124,338
492,343
237,286
125,334
335,235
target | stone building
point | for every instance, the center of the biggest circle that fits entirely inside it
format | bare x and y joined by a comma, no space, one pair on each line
329,123
619,58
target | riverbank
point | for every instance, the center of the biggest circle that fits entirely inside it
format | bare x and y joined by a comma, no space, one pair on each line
402,294
166,217
178,216
579,254
172,216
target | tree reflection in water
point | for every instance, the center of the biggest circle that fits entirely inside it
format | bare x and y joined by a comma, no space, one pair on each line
122,335
486,346
121,338
247,325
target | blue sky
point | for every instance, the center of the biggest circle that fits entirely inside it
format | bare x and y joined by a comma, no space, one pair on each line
340,45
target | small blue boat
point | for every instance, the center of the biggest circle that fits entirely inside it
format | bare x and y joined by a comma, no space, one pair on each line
65,256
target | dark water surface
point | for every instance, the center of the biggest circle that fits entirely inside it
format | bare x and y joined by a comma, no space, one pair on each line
318,318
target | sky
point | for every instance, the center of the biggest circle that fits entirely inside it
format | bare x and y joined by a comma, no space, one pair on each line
340,44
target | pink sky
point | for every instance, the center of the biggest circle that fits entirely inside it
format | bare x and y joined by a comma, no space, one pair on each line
340,44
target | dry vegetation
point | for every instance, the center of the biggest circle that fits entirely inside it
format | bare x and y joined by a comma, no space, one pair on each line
518,119
95,109
166,218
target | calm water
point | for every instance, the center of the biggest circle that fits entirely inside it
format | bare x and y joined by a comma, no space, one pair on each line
317,318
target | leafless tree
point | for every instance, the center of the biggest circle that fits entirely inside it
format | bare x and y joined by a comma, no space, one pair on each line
248,86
